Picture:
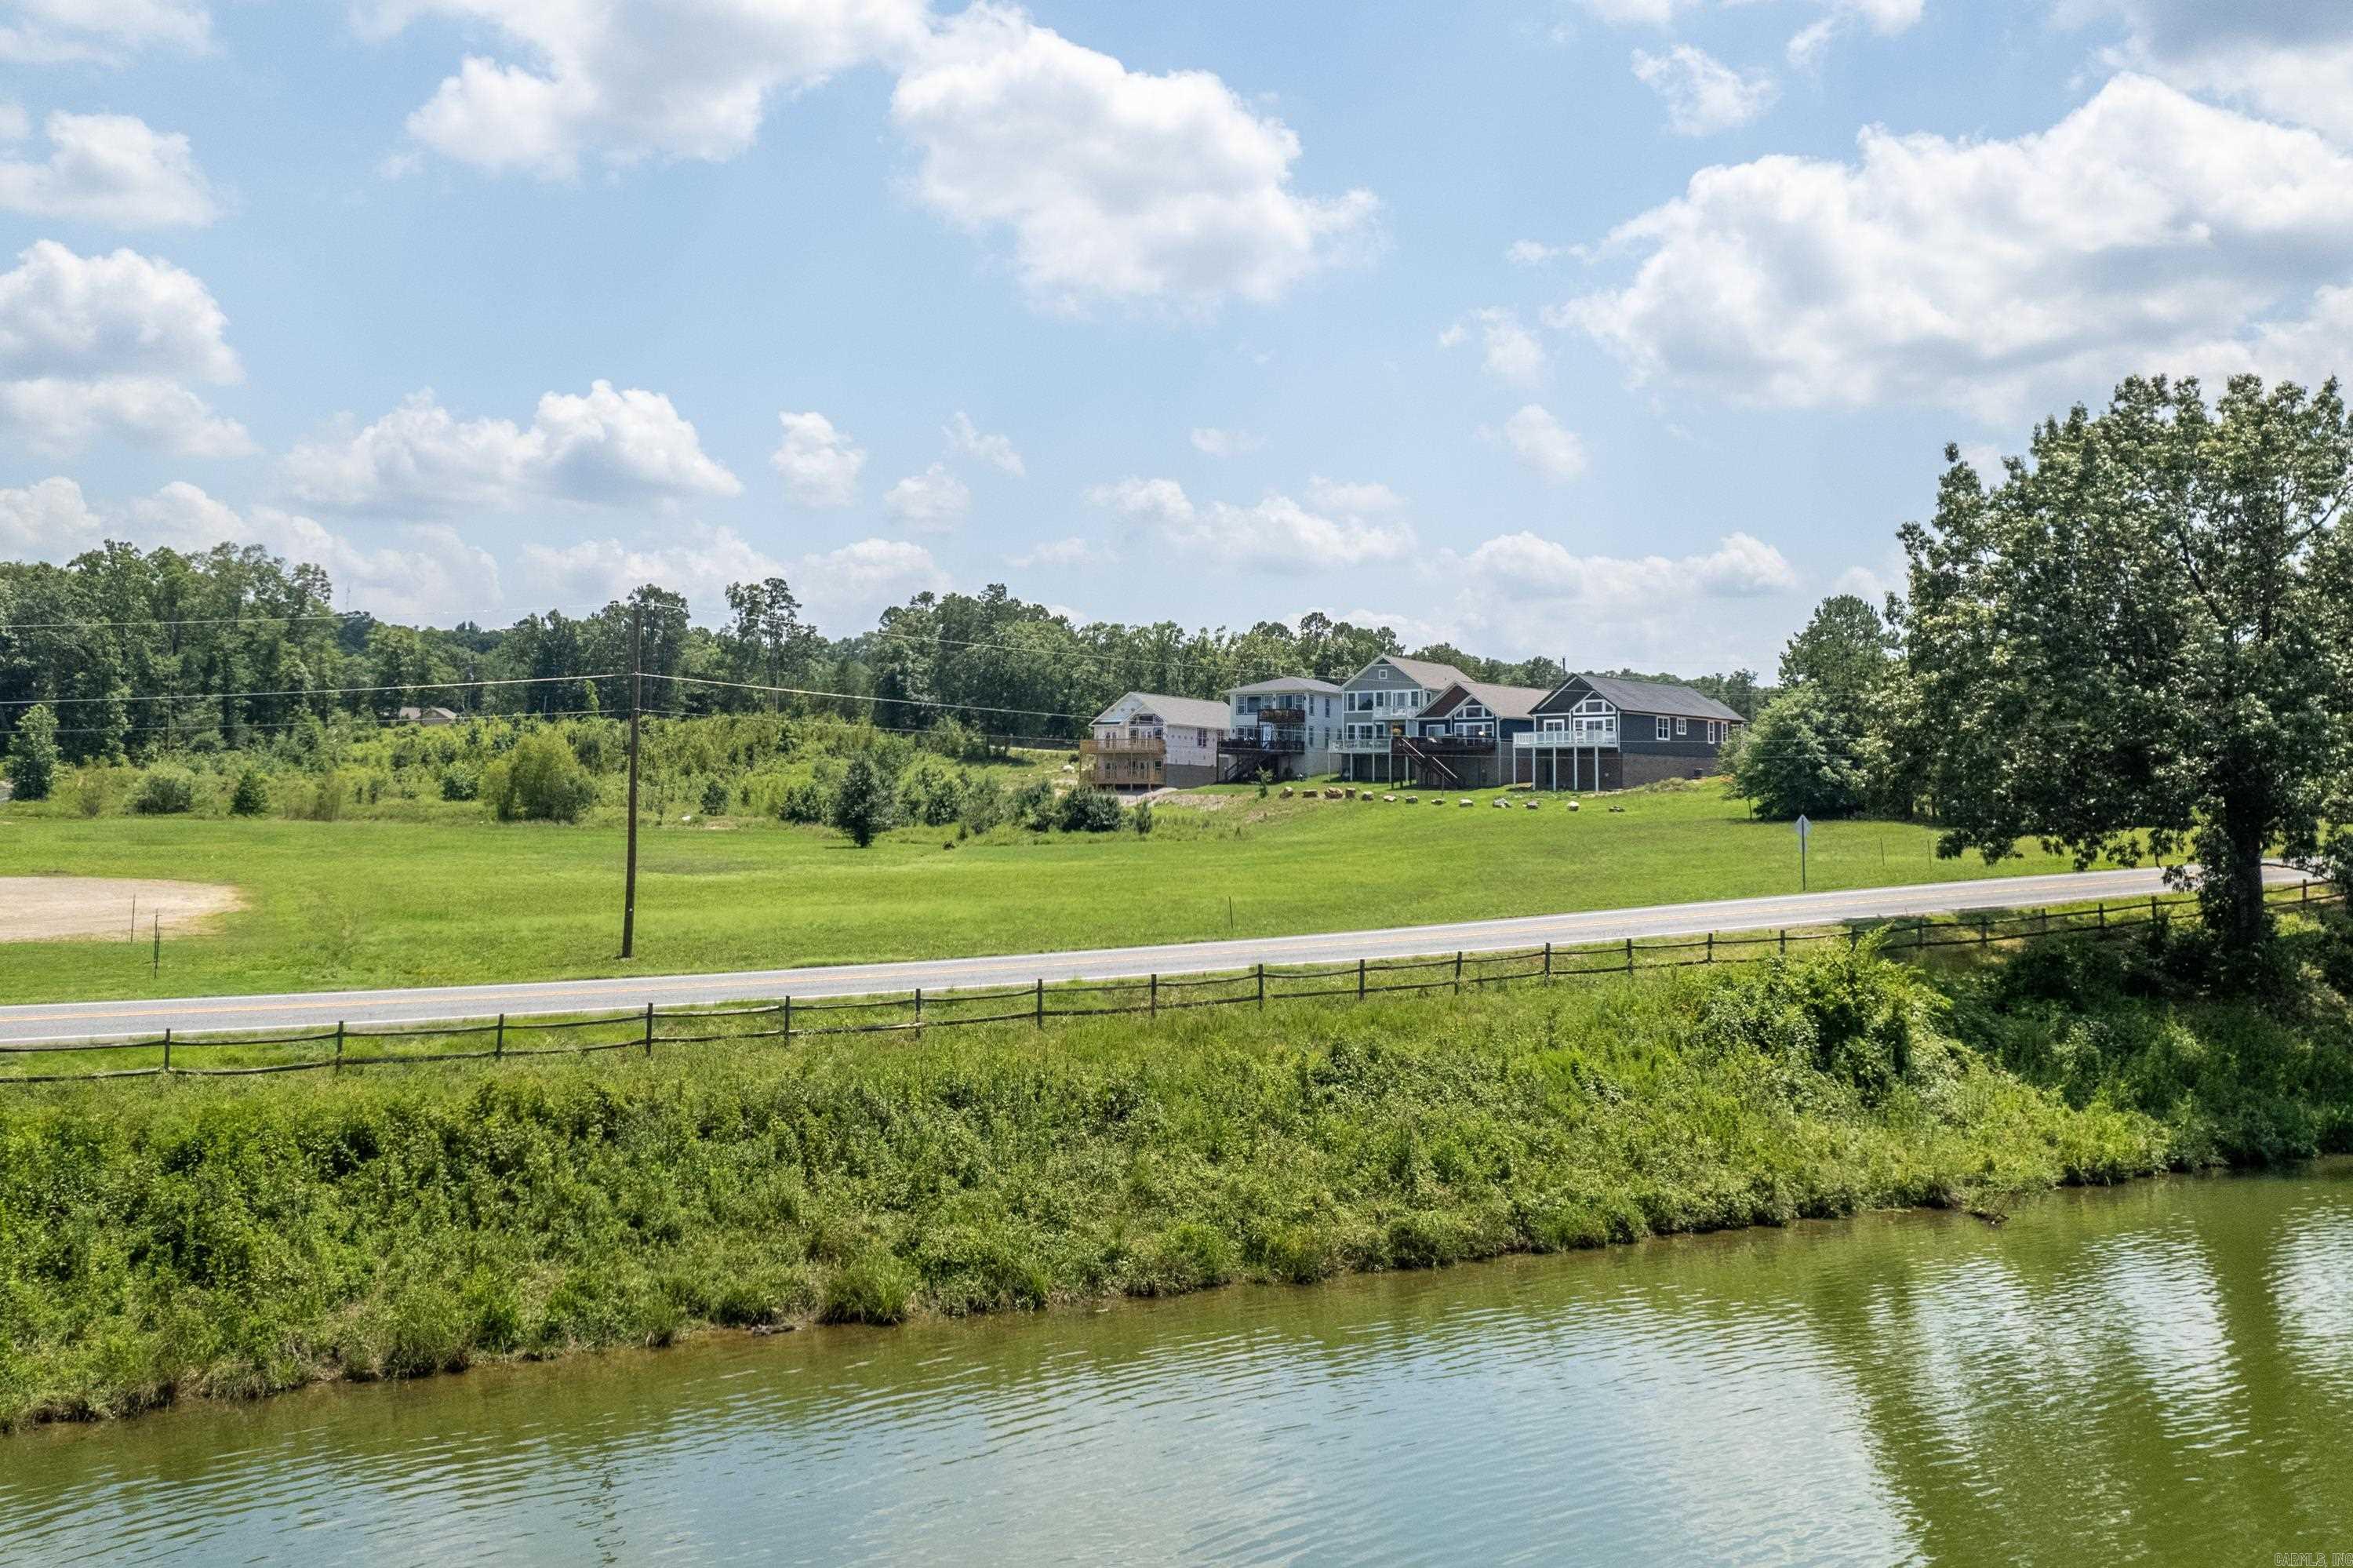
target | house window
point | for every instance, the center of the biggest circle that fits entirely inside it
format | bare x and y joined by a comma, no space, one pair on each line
1683,726
1553,723
1666,731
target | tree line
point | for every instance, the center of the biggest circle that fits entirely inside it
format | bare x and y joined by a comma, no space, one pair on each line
139,654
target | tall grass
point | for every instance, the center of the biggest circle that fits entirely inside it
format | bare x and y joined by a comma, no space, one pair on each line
234,1238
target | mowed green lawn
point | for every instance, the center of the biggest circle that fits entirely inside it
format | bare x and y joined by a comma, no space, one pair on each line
334,905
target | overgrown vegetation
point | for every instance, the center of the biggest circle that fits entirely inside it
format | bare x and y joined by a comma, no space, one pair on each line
242,1237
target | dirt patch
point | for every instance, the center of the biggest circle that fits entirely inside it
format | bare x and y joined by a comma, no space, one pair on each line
52,908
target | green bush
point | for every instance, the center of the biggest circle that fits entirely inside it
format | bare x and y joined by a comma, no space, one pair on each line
1086,810
930,793
861,806
877,1288
164,792
715,798
980,805
32,766
1033,805
806,801
251,797
460,783
539,781
1142,816
326,799
1807,755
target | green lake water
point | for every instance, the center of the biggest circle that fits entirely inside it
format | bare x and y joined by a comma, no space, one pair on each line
2160,1373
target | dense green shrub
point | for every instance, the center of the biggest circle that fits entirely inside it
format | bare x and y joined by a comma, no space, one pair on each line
1142,817
715,798
1033,805
1807,755
164,792
980,805
539,781
460,783
861,803
1085,811
32,765
930,793
251,796
806,801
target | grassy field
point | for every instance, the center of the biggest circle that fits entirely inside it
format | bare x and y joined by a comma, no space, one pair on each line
233,1237
454,898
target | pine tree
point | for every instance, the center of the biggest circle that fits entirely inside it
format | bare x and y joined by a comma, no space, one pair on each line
33,754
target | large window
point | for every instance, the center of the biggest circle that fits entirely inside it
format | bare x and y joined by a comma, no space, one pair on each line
1666,730
1683,726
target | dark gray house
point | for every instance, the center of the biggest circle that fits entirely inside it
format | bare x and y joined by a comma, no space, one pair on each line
1463,740
1598,732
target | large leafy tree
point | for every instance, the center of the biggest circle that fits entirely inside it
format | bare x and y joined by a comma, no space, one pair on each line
2142,638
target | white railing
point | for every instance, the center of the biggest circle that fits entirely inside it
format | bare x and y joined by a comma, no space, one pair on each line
1554,739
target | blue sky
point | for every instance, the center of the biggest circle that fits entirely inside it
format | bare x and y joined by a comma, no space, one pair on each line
1616,330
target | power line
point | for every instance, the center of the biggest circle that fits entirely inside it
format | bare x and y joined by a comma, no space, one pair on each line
854,697
418,686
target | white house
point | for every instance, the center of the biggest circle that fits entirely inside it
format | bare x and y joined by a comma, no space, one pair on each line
1287,726
1147,740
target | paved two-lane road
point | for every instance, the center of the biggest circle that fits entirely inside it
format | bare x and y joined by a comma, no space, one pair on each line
67,1021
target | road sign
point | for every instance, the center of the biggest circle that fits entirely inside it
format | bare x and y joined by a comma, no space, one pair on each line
1804,828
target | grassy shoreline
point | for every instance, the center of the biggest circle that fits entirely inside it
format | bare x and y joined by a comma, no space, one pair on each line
232,1238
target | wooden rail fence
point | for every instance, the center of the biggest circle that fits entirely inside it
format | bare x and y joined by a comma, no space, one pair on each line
346,1047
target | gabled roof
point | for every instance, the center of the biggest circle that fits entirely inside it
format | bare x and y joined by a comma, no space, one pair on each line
1201,712
1503,702
1656,697
1429,676
1287,684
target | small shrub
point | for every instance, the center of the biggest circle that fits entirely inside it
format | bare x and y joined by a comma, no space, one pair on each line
805,802
1141,818
164,792
251,797
539,781
327,797
1033,805
1085,811
879,1287
95,790
982,804
461,783
715,798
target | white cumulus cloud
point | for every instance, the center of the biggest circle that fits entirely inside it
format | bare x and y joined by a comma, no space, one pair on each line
967,439
1511,353
1703,94
820,463
2144,231
1275,531
932,502
59,32
112,169
2292,60
1214,442
602,447
48,521
1112,185
94,346
1537,437
625,80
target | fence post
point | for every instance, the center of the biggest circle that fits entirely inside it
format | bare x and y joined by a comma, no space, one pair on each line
1360,979
498,1044
1785,941
1458,971
2102,914
339,1046
2153,915
1041,1001
1711,947
1153,1001
1985,930
168,1050
1547,968
650,1031
2308,890
1261,982
788,1021
1853,939
1629,955
919,1012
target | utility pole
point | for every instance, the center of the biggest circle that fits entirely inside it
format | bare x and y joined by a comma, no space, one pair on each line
629,886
